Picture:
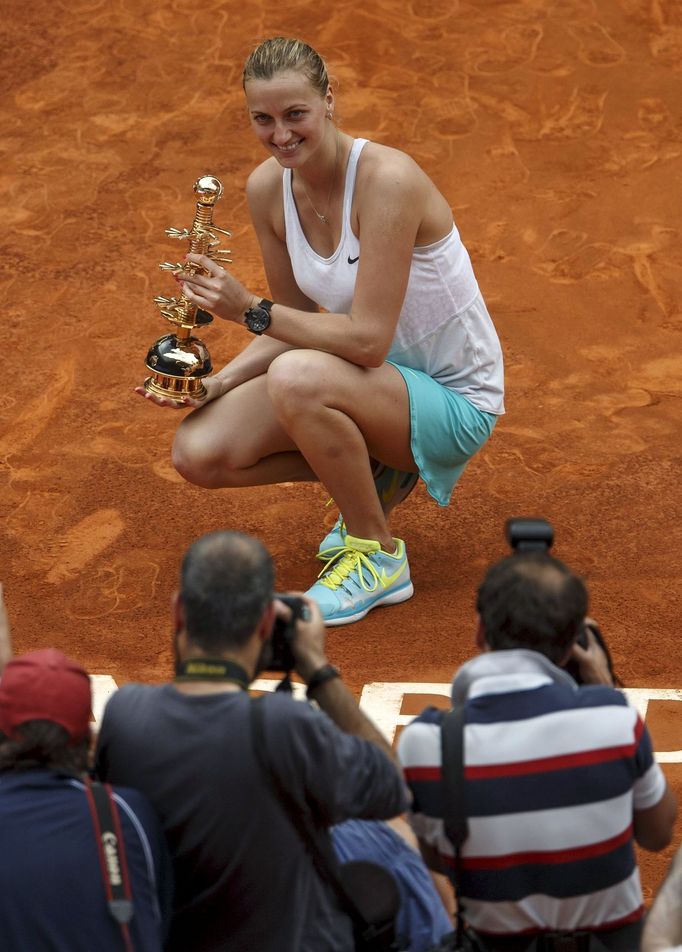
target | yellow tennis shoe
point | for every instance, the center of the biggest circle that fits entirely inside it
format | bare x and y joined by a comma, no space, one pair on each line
358,577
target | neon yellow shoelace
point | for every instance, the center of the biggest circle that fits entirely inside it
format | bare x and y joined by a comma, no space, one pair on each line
347,561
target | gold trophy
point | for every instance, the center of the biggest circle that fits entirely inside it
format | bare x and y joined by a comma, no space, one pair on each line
179,361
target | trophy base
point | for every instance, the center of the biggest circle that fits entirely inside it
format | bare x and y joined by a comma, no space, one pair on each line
178,365
175,388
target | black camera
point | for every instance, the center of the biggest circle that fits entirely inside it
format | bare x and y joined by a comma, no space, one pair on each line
280,657
529,535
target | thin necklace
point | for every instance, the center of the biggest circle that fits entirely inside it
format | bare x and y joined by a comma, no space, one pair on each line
324,218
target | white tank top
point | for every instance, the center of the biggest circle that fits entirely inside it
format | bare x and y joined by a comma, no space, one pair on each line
438,331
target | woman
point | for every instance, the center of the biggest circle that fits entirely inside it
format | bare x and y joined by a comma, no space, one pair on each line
402,367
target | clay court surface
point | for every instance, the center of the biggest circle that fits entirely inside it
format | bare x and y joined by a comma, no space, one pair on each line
555,129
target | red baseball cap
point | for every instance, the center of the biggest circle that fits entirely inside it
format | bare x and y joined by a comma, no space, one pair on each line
45,686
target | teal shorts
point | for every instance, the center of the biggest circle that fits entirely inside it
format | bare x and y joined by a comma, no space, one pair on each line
446,430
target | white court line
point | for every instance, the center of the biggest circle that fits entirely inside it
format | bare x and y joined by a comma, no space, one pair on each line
382,701
102,687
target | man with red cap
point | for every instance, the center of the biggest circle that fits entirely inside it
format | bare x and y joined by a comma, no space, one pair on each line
65,882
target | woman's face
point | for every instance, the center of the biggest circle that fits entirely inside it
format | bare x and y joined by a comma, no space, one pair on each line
288,115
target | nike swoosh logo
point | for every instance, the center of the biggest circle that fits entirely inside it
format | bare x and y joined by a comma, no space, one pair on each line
353,260
388,492
387,580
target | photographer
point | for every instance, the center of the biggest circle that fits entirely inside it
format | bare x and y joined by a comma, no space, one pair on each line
243,877
56,888
560,779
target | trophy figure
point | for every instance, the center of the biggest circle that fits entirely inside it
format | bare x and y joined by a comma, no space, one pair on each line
179,361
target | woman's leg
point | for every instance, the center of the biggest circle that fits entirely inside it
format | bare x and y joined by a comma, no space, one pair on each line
237,440
313,416
338,415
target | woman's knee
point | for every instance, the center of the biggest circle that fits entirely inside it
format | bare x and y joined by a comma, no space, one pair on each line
202,459
190,457
211,458
298,379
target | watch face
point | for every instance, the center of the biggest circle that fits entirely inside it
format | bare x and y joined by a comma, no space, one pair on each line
257,319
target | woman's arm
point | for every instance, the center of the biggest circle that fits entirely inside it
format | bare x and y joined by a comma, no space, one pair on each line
251,362
261,192
259,353
391,198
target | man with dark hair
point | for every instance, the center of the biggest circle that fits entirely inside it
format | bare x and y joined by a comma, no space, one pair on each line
52,880
532,600
244,879
226,584
560,779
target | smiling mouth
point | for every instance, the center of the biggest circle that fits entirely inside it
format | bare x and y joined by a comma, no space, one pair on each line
288,149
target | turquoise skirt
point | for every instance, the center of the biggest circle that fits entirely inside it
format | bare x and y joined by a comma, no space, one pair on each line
446,430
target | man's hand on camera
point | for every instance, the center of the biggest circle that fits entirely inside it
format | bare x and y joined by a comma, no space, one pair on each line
592,660
308,643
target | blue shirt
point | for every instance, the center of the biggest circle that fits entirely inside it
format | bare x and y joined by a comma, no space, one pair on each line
421,920
51,881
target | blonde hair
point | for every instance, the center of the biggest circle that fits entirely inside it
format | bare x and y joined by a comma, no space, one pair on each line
279,54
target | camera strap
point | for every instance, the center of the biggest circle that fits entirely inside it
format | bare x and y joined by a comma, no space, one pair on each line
454,802
112,857
210,669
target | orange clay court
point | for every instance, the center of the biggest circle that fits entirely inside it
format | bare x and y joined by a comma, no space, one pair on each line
554,127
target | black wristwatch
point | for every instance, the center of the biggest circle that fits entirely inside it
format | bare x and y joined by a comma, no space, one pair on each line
326,673
257,318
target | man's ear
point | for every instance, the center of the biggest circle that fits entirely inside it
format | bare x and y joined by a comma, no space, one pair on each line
481,643
267,623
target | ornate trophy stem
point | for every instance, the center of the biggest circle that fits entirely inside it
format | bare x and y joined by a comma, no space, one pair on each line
179,361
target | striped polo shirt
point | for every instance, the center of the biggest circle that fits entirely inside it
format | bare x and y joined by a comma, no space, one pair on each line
553,772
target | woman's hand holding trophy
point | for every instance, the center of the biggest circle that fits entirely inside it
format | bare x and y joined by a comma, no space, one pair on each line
214,289
180,363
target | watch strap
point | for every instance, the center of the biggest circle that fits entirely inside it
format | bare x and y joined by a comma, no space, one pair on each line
326,673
